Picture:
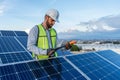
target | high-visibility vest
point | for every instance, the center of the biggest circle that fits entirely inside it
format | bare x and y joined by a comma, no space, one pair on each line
43,41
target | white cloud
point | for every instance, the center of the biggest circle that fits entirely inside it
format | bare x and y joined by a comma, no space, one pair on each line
90,27
2,9
108,28
105,27
107,23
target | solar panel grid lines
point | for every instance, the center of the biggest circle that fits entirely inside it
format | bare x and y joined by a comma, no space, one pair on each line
12,52
0,34
7,33
9,44
111,56
6,71
23,40
110,75
12,33
73,73
22,62
83,74
52,68
108,61
4,42
93,66
105,69
23,46
15,57
40,70
15,33
21,33
9,58
10,49
1,49
66,71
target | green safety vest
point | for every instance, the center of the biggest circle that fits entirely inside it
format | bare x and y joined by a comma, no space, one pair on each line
43,41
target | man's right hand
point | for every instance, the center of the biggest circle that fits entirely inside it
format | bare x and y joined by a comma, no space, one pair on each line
50,52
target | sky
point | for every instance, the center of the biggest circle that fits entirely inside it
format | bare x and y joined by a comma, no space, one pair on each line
24,14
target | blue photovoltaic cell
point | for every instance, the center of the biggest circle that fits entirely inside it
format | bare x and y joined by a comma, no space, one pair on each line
52,69
7,70
63,53
10,77
22,67
15,57
111,56
13,33
8,33
95,67
12,47
23,40
21,33
0,34
9,44
27,75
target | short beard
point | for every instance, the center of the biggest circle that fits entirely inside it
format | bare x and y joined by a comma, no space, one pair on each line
48,25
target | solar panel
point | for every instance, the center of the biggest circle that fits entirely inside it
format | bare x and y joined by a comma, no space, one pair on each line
21,33
9,44
52,69
13,49
63,52
12,33
111,56
23,40
14,57
95,67
89,66
7,33
0,34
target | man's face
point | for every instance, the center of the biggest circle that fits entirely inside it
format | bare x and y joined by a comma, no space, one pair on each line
50,22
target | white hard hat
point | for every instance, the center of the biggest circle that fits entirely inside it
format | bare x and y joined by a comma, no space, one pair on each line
53,13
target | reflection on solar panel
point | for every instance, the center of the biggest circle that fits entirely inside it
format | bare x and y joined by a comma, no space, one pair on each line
55,69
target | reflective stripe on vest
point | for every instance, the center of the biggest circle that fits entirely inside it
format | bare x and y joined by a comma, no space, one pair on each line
43,41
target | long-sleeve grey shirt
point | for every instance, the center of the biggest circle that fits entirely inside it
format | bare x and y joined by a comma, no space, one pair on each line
32,39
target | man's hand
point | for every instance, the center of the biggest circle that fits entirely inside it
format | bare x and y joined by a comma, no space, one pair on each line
68,45
50,52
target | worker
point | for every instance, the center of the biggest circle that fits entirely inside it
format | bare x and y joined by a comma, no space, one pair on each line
42,38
